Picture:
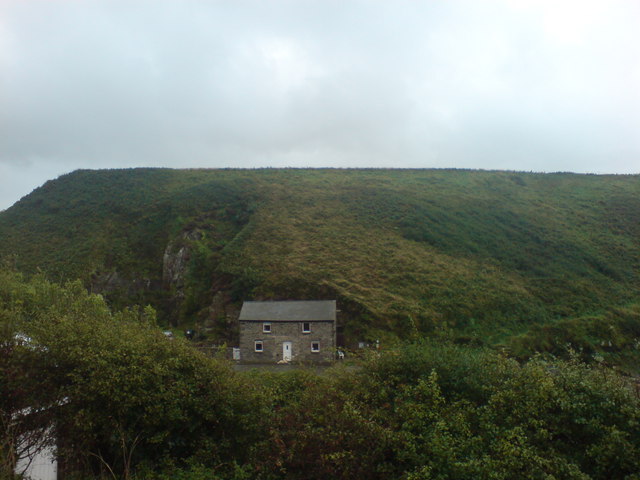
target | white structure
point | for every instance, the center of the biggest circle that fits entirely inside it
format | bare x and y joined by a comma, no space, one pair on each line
39,465
36,458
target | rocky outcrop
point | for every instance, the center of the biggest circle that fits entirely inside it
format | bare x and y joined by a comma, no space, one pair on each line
184,292
176,258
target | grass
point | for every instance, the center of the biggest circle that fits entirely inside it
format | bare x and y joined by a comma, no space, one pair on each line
476,254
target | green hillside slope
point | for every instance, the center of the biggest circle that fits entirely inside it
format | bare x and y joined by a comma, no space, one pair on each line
477,254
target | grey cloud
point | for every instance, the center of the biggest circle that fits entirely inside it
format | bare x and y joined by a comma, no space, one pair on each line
461,83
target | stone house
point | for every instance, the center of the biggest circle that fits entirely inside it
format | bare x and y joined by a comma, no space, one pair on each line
288,331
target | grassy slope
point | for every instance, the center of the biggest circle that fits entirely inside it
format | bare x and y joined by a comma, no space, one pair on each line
488,253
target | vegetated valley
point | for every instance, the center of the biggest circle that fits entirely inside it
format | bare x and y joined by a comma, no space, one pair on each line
507,305
529,261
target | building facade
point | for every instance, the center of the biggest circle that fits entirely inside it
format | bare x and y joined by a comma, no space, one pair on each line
288,331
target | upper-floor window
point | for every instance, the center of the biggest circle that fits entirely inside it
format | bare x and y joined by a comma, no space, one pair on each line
306,327
266,327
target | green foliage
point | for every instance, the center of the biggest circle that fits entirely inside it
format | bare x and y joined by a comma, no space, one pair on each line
613,337
129,403
474,255
323,433
125,395
199,279
429,411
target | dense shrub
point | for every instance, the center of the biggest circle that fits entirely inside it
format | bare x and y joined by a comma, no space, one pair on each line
438,411
125,395
128,403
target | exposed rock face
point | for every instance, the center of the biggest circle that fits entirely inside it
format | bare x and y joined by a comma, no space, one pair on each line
174,292
176,258
174,265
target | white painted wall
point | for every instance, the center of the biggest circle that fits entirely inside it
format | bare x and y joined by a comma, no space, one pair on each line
41,466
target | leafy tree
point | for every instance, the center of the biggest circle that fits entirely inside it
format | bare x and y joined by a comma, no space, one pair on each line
127,402
29,400
129,397
437,411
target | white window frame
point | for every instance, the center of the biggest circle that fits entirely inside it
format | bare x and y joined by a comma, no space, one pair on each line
266,327
255,346
307,330
317,350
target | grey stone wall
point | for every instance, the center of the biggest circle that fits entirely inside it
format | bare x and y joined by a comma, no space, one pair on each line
323,332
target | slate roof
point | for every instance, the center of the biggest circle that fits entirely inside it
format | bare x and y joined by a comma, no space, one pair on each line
289,311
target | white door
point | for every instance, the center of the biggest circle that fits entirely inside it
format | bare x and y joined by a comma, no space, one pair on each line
286,351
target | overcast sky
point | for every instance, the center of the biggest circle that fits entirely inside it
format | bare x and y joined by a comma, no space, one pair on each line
542,85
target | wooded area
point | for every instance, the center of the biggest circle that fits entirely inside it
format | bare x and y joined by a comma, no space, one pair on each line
128,403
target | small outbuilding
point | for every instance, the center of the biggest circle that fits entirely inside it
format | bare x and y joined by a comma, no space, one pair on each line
288,331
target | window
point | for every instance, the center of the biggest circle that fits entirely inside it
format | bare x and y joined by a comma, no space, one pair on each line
306,327
266,327
258,346
315,347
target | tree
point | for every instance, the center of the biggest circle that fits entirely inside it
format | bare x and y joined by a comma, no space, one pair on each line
131,396
28,398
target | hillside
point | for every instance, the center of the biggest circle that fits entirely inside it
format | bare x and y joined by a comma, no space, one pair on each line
530,260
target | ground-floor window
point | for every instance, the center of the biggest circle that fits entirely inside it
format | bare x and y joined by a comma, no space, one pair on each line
315,346
258,346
